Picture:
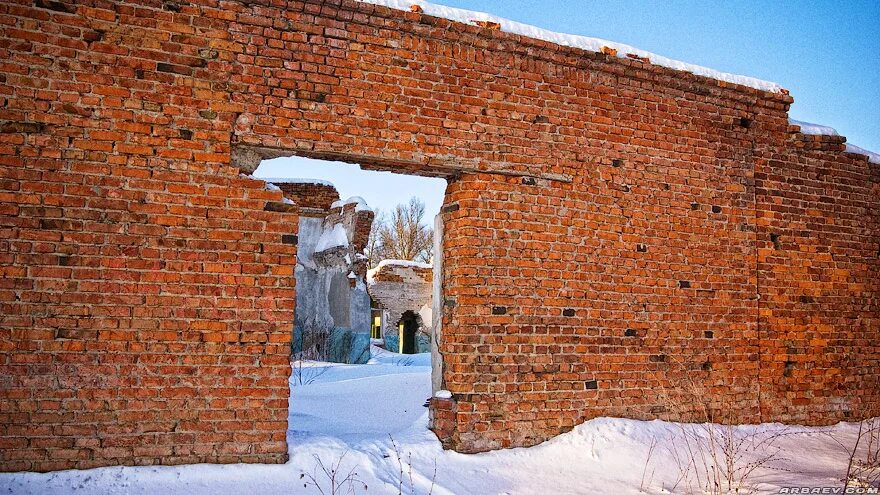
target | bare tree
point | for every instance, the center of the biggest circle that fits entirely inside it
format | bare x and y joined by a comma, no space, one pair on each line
373,249
402,235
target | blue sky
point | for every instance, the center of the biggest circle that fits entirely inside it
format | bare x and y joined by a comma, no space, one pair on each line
826,53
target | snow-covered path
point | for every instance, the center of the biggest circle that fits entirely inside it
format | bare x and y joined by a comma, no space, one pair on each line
352,412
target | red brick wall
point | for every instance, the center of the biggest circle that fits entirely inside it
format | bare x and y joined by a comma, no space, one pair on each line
308,195
819,279
146,299
147,289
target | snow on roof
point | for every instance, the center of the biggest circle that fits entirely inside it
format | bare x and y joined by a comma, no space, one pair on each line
371,273
824,130
576,41
331,238
296,180
411,264
354,200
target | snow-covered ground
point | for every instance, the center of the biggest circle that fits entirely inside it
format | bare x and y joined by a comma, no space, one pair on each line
352,413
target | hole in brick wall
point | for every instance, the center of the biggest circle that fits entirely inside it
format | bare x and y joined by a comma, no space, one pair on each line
93,36
745,122
716,209
617,162
789,367
568,312
541,119
706,366
709,334
629,332
591,385
695,206
55,5
684,284
641,248
499,310
774,238
365,248
529,181
806,299
658,358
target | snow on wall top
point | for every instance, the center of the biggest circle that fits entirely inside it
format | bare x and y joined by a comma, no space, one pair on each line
823,130
296,180
371,273
872,157
269,187
814,129
575,41
354,200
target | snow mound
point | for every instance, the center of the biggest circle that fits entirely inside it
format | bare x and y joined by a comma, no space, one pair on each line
331,238
576,41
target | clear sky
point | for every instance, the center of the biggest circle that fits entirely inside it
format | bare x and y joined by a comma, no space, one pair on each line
826,53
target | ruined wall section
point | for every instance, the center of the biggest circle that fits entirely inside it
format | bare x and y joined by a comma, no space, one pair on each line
603,240
312,197
332,305
819,281
399,286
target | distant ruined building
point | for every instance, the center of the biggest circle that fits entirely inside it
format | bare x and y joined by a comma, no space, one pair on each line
403,292
336,292
332,305
620,233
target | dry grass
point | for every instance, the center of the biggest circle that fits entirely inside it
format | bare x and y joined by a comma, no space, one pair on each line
332,479
863,463
712,455
306,375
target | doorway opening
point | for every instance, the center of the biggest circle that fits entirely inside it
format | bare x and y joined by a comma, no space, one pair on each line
365,258
369,249
409,326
